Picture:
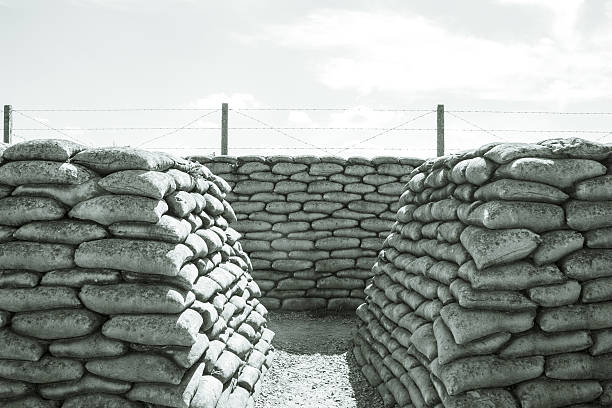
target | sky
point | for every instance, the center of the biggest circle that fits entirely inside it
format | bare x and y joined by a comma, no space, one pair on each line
351,77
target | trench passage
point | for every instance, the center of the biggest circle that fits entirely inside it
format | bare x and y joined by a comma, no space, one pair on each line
314,364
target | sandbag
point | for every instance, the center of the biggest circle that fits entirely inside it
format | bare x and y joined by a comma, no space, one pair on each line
512,276
555,245
56,324
46,370
546,393
597,290
92,346
577,148
16,347
561,294
599,238
39,298
140,256
208,392
468,325
110,159
168,229
155,329
602,342
6,233
520,190
486,372
537,217
63,231
497,247
595,189
485,398
576,317
181,203
40,257
152,184
449,351
135,298
67,194
561,173
109,209
99,401
43,149
11,278
137,367
502,300
77,277
579,366
588,215
587,264
16,211
44,172
506,152
85,385
536,343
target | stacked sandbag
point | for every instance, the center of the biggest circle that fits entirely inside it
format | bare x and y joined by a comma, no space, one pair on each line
122,284
312,226
494,288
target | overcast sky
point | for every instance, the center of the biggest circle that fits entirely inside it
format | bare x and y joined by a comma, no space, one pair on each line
510,55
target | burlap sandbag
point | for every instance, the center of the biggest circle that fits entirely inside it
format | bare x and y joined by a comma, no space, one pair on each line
557,244
56,323
16,211
110,159
592,316
184,280
137,367
44,172
177,396
506,152
483,398
497,247
537,217
475,171
576,147
92,346
597,290
168,229
468,325
155,329
100,401
520,190
561,294
87,384
40,257
77,277
595,189
547,393
599,238
43,149
181,203
12,389
588,215
588,264
152,184
561,173
503,300
47,369
16,347
6,233
64,231
512,276
184,181
38,298
449,351
537,343
135,298
15,278
140,256
68,194
472,373
208,392
109,209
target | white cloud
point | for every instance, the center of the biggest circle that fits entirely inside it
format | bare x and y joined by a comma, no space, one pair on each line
409,54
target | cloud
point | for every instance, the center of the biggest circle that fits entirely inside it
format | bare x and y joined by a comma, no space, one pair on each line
409,54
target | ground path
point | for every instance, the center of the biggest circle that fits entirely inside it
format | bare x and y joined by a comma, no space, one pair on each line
314,365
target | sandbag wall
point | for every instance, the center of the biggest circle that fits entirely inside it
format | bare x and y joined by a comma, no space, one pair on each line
312,226
122,284
494,288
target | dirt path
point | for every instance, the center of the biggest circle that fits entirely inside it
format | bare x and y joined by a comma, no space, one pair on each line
314,366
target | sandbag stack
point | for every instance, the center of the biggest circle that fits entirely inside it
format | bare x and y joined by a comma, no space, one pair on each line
312,225
122,283
494,288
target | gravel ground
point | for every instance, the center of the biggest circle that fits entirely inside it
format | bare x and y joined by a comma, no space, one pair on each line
314,365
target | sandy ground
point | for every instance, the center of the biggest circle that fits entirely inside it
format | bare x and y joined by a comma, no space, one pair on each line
314,366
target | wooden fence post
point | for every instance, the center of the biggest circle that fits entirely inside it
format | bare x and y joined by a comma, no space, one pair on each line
440,127
8,123
224,112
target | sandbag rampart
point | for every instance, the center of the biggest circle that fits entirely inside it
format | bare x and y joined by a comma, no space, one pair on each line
122,283
312,226
494,286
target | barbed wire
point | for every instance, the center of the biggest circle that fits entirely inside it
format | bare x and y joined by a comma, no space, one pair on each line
74,139
384,132
177,129
292,148
526,112
281,132
476,126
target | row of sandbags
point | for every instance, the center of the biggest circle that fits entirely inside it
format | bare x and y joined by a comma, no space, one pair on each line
122,283
312,225
494,288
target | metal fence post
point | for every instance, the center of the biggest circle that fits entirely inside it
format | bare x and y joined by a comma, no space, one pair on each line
8,123
440,127
224,112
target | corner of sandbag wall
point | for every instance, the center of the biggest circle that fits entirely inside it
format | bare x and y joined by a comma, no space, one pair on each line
122,283
494,288
312,225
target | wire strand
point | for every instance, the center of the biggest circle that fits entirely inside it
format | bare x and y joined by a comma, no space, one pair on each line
281,132
526,112
384,132
177,129
476,126
52,128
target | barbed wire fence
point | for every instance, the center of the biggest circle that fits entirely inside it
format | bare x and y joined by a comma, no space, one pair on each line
303,139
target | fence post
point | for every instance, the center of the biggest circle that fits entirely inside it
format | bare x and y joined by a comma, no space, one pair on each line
440,127
8,123
224,111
